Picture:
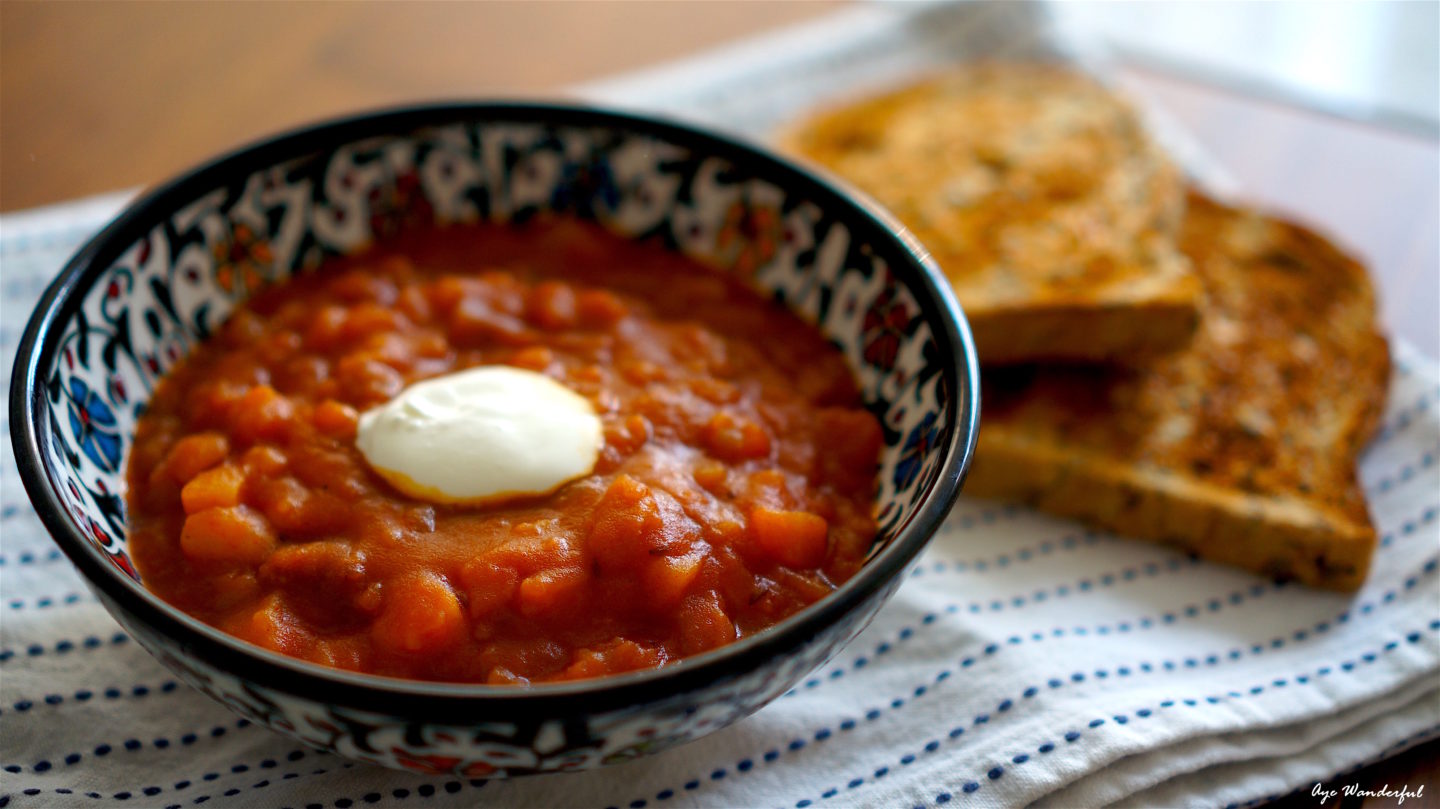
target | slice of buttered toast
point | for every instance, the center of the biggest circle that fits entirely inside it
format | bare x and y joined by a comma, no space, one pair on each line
1240,448
1039,194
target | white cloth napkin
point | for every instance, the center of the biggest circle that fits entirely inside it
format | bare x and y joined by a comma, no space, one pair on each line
1025,660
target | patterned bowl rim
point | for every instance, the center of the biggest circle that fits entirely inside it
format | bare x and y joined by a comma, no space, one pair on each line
907,260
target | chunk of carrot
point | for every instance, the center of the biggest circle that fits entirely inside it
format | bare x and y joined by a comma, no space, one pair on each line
231,536
667,578
421,615
323,331
627,655
796,539
263,413
264,461
551,306
488,586
194,454
298,511
272,626
768,487
731,438
551,591
711,475
625,525
599,309
335,419
217,487
612,658
704,624
371,318
587,664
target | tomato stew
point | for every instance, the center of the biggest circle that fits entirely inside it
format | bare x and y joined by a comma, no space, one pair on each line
735,485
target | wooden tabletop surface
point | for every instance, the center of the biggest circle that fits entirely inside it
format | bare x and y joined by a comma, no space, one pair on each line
98,96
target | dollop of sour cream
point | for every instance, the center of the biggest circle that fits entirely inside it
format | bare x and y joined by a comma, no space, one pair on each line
486,433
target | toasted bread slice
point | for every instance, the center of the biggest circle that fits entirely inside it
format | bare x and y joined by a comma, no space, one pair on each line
1240,448
1039,194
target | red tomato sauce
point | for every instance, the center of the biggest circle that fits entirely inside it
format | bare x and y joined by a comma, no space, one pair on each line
735,485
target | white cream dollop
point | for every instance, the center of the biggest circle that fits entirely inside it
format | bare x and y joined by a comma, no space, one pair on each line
481,434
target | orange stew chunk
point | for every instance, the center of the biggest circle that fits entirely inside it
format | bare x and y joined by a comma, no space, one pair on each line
667,578
263,461
335,419
194,454
236,536
550,591
489,586
619,655
736,439
272,625
421,615
262,413
627,525
704,624
734,486
795,539
214,488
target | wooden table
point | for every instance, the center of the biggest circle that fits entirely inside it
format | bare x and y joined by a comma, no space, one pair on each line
100,96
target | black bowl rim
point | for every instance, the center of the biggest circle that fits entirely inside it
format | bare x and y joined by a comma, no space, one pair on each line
459,701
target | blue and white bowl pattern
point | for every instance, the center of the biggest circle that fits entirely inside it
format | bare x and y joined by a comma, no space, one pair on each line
182,273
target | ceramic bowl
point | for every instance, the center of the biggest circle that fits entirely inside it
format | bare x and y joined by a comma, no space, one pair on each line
165,274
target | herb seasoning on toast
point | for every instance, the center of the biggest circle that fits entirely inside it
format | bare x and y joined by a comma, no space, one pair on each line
1041,197
1241,448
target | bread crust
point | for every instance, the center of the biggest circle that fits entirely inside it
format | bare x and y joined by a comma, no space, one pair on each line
1241,448
1039,194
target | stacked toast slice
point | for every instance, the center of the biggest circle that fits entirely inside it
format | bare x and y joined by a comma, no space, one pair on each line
1039,194
1213,373
1242,447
